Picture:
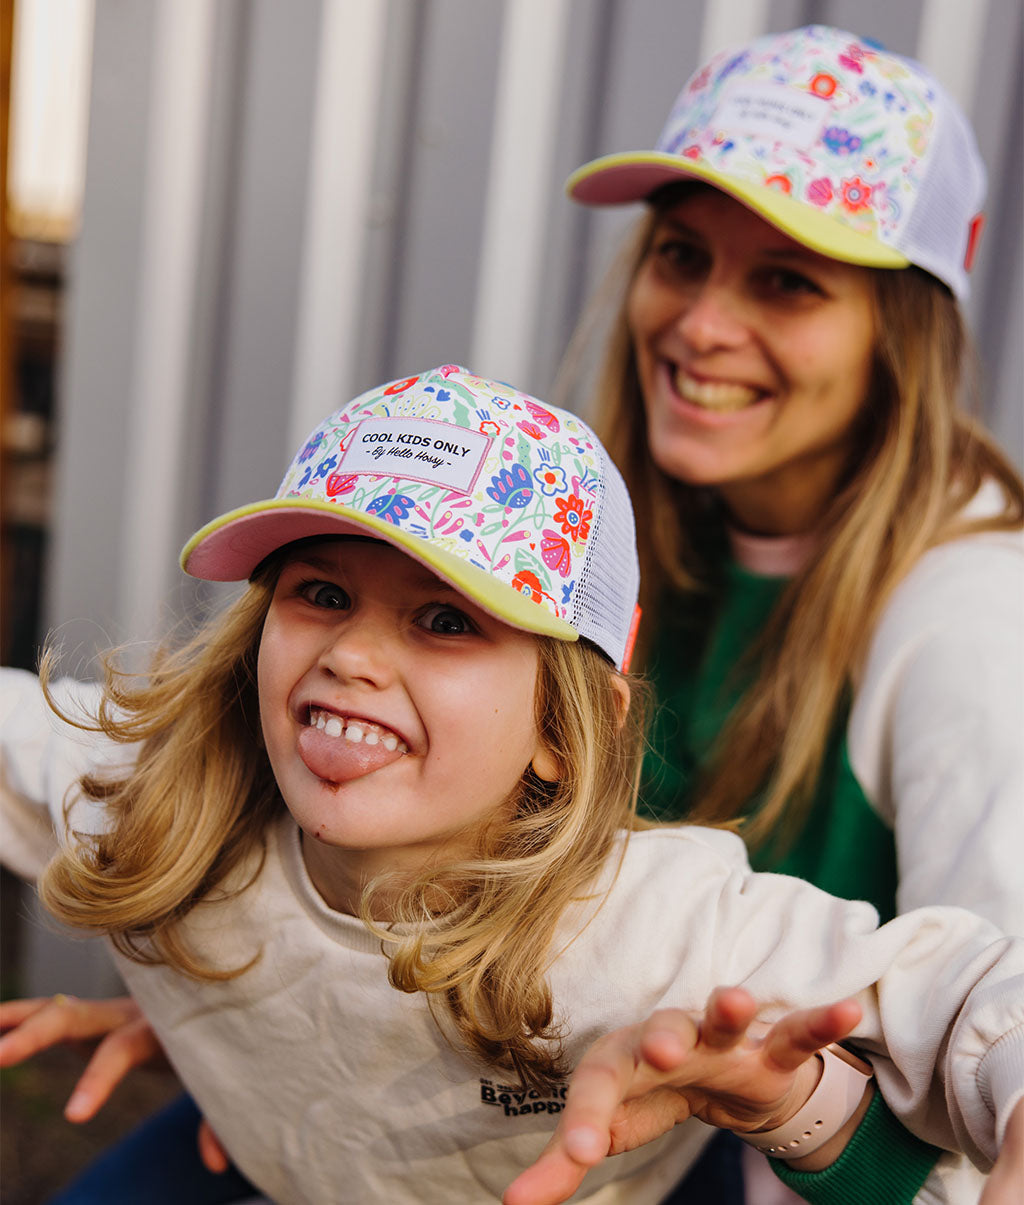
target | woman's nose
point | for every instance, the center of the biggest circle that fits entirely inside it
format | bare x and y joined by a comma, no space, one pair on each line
712,317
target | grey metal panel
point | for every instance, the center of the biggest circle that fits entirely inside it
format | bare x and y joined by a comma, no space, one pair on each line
214,296
392,197
569,234
654,48
264,253
96,369
895,25
446,159
997,307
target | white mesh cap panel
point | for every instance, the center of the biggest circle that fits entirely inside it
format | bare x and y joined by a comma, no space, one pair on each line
605,599
950,196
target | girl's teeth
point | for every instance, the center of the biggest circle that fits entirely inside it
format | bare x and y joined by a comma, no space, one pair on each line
714,395
356,732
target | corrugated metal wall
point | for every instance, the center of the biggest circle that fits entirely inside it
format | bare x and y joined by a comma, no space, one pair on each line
288,203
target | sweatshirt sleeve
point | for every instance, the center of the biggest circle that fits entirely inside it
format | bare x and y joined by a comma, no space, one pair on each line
41,759
941,989
942,992
935,730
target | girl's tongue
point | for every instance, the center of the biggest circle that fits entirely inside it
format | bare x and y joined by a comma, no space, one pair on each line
338,749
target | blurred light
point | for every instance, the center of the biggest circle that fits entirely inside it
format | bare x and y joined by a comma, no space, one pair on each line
50,74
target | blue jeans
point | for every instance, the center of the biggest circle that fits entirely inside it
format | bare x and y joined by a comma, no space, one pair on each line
157,1163
716,1178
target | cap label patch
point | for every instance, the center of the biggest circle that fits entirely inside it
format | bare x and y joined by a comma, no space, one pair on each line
418,448
772,111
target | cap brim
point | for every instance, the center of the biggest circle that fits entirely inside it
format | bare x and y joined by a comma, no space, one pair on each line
230,547
635,175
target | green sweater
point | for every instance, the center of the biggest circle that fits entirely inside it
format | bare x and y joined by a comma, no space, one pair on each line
844,848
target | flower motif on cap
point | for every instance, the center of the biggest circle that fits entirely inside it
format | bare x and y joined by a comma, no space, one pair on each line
400,386
311,447
854,57
573,517
511,487
856,194
918,128
392,507
779,182
530,429
529,584
823,84
840,141
551,479
820,191
489,427
556,553
340,483
543,417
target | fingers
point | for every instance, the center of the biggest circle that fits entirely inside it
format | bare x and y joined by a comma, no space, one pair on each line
797,1036
727,1018
35,1025
595,1092
13,1012
666,1039
552,1179
131,1045
214,1157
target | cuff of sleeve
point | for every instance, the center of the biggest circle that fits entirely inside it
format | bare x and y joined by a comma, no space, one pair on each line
883,1164
1001,1080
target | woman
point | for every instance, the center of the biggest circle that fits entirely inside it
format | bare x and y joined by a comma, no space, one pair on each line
831,551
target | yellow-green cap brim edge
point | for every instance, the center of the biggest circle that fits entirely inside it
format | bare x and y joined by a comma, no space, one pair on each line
498,598
799,220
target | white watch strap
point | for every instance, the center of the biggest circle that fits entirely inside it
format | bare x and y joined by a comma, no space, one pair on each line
829,1107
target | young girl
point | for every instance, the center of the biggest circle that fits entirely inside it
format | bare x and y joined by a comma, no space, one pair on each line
830,545
405,759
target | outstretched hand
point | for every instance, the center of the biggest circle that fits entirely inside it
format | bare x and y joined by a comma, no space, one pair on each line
119,1038
635,1084
122,1036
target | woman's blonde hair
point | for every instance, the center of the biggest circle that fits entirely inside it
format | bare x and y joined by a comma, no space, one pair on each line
918,458
474,936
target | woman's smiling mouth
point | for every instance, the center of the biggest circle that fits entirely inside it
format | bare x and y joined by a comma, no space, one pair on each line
722,397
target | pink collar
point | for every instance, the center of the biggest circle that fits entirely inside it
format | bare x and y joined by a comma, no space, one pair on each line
772,556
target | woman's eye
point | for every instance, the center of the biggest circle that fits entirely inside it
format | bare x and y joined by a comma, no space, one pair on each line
786,283
678,255
325,594
446,621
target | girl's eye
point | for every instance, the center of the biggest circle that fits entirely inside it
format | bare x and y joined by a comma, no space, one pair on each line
326,594
446,621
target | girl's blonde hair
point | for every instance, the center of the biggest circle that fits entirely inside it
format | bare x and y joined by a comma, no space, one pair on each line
475,936
918,459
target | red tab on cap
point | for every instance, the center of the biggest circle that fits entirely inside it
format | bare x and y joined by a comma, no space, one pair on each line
627,656
973,235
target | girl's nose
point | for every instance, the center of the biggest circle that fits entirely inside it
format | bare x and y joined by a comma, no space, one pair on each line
360,650
712,317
